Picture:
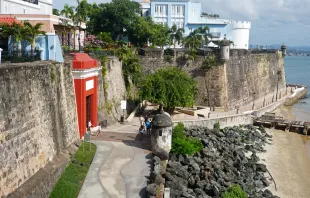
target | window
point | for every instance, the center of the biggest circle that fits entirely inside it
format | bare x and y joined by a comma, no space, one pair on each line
25,11
6,8
13,9
173,10
178,10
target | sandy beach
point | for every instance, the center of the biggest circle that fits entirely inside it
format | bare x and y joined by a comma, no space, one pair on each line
288,159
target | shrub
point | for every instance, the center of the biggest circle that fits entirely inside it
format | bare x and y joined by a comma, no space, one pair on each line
217,126
182,144
235,191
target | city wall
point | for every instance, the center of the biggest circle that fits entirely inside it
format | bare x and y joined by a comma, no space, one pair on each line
245,77
38,119
111,90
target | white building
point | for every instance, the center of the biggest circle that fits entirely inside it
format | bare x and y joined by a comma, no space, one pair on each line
188,15
26,6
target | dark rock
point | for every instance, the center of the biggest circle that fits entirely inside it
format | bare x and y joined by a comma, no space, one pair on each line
261,168
83,164
161,153
152,189
173,157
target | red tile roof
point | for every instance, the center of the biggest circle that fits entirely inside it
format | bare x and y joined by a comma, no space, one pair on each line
8,20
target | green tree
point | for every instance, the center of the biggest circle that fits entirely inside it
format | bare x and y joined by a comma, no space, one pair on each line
140,31
81,15
31,33
160,35
106,38
115,17
18,32
68,11
196,38
172,86
56,12
176,35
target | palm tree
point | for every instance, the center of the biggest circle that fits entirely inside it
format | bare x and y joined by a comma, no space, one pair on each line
32,31
17,31
81,13
176,35
68,11
55,12
195,38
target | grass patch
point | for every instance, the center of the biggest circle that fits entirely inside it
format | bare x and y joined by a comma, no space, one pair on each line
71,181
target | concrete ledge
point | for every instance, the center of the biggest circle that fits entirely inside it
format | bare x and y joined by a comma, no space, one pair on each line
296,96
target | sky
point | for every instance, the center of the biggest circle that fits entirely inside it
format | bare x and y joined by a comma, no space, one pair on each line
273,21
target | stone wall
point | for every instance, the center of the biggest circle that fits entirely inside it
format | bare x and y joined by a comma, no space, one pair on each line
233,83
111,90
38,118
249,73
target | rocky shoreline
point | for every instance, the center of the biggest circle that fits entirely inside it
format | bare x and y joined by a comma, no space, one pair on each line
229,157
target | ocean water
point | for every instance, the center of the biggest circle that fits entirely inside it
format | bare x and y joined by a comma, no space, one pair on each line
297,71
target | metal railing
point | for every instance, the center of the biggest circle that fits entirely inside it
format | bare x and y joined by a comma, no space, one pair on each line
32,1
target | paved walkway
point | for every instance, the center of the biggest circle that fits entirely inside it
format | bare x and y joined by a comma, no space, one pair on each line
119,170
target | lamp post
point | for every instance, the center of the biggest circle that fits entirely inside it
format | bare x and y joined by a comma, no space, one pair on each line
278,75
253,101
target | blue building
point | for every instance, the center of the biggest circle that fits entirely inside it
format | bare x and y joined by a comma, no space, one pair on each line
188,15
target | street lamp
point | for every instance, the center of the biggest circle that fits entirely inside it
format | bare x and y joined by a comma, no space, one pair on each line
278,74
253,100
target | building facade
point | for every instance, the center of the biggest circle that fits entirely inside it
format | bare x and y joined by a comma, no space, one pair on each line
26,6
188,15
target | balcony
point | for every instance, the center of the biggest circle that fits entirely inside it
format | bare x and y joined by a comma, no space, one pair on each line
32,1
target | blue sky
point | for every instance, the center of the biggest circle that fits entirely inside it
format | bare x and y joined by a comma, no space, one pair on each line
273,21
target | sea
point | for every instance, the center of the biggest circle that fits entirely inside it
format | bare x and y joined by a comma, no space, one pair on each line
297,71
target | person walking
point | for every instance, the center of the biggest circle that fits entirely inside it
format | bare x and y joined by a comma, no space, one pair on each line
141,119
148,127
89,125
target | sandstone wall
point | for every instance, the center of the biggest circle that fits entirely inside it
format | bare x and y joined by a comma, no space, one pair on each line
233,83
38,118
111,90
249,73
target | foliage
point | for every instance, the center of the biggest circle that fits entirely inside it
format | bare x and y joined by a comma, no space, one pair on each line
68,11
106,39
140,31
31,33
114,17
168,59
56,12
204,14
176,35
197,37
182,144
72,179
22,59
160,35
234,191
268,58
191,54
172,86
82,12
17,31
65,48
217,126
211,61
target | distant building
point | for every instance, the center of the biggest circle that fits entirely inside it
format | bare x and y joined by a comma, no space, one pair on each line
41,11
26,6
188,15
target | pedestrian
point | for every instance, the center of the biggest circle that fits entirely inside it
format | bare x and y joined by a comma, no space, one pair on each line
89,125
141,119
141,129
148,127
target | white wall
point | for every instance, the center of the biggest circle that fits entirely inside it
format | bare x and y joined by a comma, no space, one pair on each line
23,7
240,34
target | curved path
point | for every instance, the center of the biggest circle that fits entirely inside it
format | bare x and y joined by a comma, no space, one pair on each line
119,170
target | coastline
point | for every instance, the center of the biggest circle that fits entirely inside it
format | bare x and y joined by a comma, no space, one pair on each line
288,157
